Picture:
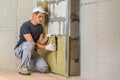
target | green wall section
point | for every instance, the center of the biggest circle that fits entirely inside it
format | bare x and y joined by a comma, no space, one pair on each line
56,60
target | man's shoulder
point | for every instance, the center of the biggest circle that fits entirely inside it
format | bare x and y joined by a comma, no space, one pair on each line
26,23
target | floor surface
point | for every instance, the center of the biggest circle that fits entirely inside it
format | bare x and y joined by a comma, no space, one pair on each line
14,75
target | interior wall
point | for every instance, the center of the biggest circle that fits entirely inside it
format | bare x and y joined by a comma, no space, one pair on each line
100,39
8,32
13,13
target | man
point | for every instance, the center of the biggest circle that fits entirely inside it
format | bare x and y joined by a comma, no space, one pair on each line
31,38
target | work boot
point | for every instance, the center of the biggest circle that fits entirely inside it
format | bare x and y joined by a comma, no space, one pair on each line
24,70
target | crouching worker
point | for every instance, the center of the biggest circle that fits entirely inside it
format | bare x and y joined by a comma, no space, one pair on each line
31,38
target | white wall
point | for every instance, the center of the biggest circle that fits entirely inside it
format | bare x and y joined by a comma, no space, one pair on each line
100,39
8,32
13,13
57,16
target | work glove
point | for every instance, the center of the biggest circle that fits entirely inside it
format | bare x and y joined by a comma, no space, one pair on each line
49,35
51,47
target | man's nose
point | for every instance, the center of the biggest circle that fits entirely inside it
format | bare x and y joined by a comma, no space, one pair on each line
41,18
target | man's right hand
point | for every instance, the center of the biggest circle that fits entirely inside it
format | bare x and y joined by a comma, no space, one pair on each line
51,47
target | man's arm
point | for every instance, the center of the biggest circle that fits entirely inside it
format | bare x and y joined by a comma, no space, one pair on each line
42,39
28,37
51,47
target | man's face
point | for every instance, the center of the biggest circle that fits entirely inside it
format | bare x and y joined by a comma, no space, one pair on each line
39,18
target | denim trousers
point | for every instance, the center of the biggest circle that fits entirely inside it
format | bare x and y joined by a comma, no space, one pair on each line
28,56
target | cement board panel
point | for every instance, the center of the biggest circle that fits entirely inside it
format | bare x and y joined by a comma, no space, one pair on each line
88,18
109,49
88,57
8,13
89,42
7,44
109,16
25,10
108,72
90,1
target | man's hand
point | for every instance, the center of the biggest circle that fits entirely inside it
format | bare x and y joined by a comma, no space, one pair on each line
51,47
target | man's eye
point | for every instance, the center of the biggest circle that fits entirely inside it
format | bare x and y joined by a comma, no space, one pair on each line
40,16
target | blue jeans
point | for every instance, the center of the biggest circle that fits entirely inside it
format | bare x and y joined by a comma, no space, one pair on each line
28,56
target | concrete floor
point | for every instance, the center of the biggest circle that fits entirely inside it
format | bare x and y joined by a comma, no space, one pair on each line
13,75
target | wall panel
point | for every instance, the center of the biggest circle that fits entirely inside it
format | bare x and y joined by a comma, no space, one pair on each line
8,33
100,40
13,13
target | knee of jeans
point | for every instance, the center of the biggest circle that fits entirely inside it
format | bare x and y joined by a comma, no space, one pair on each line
29,44
43,69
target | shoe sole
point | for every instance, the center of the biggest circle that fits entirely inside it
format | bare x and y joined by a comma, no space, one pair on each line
24,73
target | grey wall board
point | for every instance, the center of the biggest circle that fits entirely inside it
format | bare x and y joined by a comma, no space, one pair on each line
100,40
13,14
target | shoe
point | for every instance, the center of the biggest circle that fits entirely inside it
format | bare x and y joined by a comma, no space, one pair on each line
24,70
